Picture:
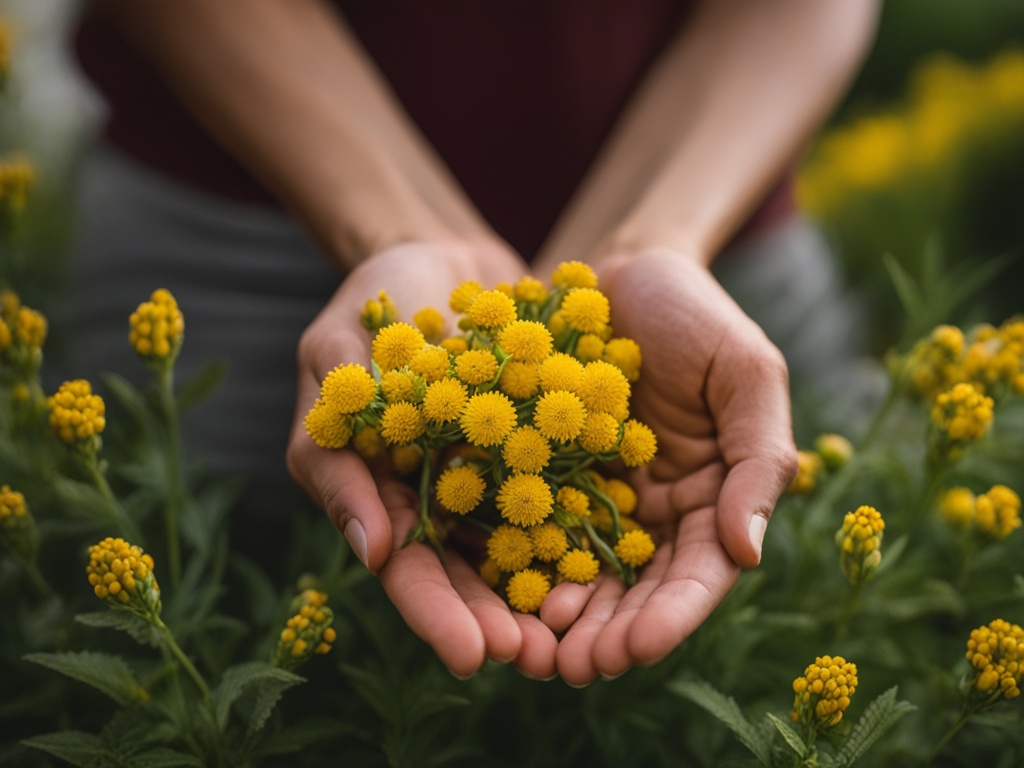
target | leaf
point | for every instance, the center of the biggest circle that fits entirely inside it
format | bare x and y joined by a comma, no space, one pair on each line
105,672
727,710
241,676
879,717
431,703
165,757
908,292
303,734
374,691
792,737
141,630
202,385
76,747
268,693
133,401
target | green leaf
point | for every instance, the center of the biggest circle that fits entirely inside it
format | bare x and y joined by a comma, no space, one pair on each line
373,690
792,737
906,289
202,385
140,630
431,703
303,734
165,757
76,747
238,678
727,710
107,673
133,401
879,717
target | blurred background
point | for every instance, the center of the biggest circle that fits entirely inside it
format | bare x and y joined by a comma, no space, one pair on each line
918,180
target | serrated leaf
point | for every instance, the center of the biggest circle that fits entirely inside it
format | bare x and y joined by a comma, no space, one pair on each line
202,385
105,672
728,712
238,678
76,747
268,694
791,737
140,630
301,735
881,715
374,691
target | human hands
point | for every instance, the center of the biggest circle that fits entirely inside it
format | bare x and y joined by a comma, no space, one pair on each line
443,600
715,391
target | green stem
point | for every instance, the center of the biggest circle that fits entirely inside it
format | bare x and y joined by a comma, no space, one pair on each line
871,433
961,720
175,481
849,607
35,577
125,524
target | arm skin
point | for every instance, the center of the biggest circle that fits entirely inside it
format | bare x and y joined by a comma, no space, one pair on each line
724,112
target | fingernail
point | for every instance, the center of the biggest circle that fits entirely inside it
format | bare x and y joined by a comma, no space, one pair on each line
356,537
461,678
758,525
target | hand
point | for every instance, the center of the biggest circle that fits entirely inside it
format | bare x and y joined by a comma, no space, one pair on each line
715,392
443,600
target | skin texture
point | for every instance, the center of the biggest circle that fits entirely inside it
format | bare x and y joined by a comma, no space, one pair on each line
726,109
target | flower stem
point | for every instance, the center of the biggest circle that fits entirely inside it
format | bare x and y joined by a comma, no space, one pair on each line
126,525
961,720
175,482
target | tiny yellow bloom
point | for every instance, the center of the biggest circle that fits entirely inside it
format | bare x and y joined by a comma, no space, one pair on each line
368,443
560,415
589,347
526,340
460,489
526,450
307,633
444,400
604,389
492,310
328,427
527,589
622,495
157,327
624,354
859,541
488,418
77,415
600,433
519,380
638,444
586,310
395,345
809,467
18,532
635,548
431,363
430,323
401,423
348,389
579,566
510,548
835,450
823,692
550,541
957,507
560,371
524,499
477,366
464,294
574,274
122,576
573,500
405,459
529,289
996,654
997,512
402,385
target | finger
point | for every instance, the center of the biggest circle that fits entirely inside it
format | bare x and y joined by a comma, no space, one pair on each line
575,651
665,500
503,638
536,657
564,604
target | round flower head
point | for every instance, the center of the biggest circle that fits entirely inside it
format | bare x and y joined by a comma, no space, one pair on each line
604,389
464,294
122,576
550,541
492,309
328,427
379,312
635,548
573,500
306,633
510,548
959,417
488,419
933,364
809,467
157,327
600,433
957,508
997,512
526,450
622,496
996,654
529,289
526,590
560,415
589,347
431,363
401,423
560,371
368,443
455,345
18,532
823,692
477,366
444,400
30,328
430,322
395,345
624,354
573,274
526,340
405,459
525,499
490,573
860,544
835,450
348,389
460,489
586,310
402,386
557,325
579,566
77,416
519,380
638,444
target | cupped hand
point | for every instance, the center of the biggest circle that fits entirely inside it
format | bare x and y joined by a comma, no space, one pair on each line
715,391
443,600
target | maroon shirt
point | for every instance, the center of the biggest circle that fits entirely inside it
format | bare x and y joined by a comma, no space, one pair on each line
517,96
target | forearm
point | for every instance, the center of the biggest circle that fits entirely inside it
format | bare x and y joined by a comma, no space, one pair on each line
284,86
724,112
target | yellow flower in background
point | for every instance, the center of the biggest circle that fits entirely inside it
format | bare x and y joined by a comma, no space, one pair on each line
379,312
430,323
957,508
464,294
622,495
5,51
122,576
573,274
77,416
586,310
17,178
402,386
823,692
527,589
860,544
560,415
560,371
579,566
460,489
589,347
638,444
529,289
960,417
30,327
809,467
488,419
550,541
492,310
835,450
395,345
573,500
624,354
6,337
431,363
997,512
405,459
510,548
307,632
635,548
367,443
525,500
18,532
156,328
996,654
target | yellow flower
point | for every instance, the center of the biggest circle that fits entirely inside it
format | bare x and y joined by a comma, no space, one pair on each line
933,363
622,496
402,386
477,366
430,322
624,354
573,274
527,589
997,512
347,389
492,309
529,289
156,328
586,310
996,654
328,427
573,500
835,450
5,50
600,433
525,499
560,415
405,459
550,541
460,489
444,400
526,450
809,467
589,347
635,548
860,544
18,532
77,416
464,294
395,345
122,576
379,312
638,444
455,345
526,340
490,573
560,371
402,423
957,507
368,443
823,692
30,328
488,419
959,417
510,548
519,380
604,389
17,177
579,566
6,338
431,363
306,633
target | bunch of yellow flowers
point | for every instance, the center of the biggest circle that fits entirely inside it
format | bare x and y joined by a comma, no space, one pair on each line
121,575
156,328
960,417
996,654
18,532
991,515
860,543
823,692
507,420
831,452
22,335
307,632
17,177
77,414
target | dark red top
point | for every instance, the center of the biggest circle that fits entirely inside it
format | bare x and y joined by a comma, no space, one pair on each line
516,96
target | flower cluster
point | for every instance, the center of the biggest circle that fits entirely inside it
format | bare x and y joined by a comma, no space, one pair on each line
505,420
156,328
960,417
823,692
993,515
5,52
18,532
22,335
996,654
17,177
122,576
77,416
831,452
307,632
860,544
